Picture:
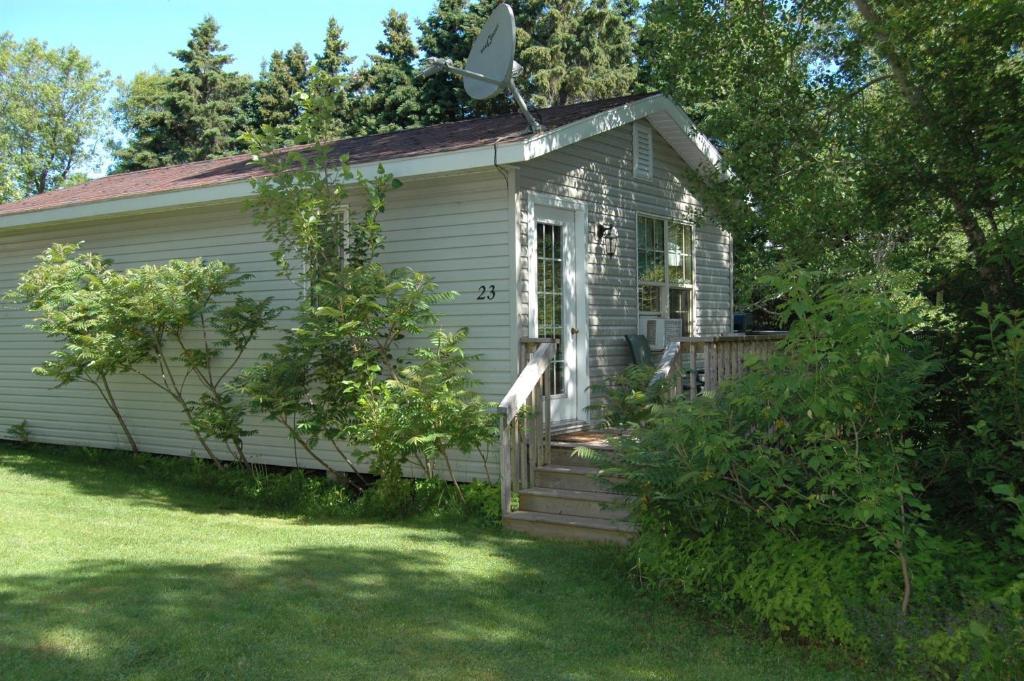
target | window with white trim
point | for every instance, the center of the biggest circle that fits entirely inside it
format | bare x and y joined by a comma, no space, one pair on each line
643,151
665,269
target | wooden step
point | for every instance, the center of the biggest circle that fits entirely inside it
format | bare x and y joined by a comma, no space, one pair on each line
564,455
574,503
583,478
575,528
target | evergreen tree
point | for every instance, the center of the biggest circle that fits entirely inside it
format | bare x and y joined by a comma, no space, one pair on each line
330,84
334,61
581,50
281,80
445,34
201,111
387,96
571,51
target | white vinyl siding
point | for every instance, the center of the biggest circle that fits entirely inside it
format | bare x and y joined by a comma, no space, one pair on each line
454,228
599,171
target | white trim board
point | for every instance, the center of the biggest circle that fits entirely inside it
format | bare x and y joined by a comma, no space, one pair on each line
664,115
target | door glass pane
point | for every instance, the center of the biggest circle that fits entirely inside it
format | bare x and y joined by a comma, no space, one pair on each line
549,294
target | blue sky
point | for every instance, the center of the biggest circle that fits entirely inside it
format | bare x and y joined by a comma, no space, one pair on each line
126,37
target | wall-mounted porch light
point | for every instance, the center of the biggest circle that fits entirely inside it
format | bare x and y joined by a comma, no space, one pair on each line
606,238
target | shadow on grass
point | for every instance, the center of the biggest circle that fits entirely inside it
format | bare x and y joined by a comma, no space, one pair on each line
320,613
141,479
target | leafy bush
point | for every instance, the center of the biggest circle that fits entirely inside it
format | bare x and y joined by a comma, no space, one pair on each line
794,497
627,398
795,469
169,324
994,380
19,432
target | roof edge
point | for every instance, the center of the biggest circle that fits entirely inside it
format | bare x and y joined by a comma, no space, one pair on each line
665,115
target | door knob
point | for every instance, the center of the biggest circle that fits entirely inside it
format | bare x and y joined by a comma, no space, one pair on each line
574,330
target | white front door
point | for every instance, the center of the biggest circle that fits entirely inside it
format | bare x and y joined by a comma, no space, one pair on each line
558,298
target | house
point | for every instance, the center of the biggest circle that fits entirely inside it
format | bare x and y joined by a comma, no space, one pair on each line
584,232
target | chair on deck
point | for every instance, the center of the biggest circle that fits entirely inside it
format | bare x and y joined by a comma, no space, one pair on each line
640,348
642,354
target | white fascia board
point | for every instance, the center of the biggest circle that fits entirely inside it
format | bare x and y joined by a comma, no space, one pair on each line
546,142
130,204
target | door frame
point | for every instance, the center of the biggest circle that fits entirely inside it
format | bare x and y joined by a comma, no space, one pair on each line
578,245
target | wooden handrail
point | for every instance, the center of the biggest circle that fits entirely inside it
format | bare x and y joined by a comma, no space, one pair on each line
528,378
526,433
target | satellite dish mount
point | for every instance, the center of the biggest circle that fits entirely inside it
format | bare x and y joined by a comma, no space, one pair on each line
491,68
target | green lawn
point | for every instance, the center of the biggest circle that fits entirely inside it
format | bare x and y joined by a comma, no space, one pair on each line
107,575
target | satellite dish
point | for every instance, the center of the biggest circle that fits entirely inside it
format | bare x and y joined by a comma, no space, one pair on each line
492,55
491,67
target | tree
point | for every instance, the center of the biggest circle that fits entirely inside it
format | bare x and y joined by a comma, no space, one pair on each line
51,114
171,317
581,51
870,136
330,84
201,112
276,92
334,60
338,378
571,51
65,292
446,33
386,94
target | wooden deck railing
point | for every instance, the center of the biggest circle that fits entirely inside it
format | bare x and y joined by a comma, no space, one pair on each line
526,419
700,364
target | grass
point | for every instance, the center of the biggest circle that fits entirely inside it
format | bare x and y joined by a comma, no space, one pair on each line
106,574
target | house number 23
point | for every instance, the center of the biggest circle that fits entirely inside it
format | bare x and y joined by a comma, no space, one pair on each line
486,292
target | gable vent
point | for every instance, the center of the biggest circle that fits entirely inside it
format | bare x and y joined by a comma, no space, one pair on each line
643,151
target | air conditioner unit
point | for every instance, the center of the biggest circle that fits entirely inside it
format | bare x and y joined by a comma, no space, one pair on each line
654,331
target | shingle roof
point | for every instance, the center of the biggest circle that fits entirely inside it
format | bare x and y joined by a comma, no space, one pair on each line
384,147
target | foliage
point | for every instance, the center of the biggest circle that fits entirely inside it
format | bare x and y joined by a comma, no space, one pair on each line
196,112
386,98
342,375
65,291
870,135
19,432
176,319
170,317
802,494
811,448
51,114
275,93
571,51
425,411
627,398
995,379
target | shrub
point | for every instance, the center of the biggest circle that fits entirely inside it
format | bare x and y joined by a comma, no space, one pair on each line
19,432
626,398
789,494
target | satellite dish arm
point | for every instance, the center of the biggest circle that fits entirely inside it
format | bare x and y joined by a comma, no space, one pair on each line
434,65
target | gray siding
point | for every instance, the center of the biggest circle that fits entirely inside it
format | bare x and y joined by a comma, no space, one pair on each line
455,228
599,171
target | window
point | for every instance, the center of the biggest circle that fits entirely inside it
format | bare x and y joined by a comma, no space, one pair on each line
643,151
665,269
550,262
